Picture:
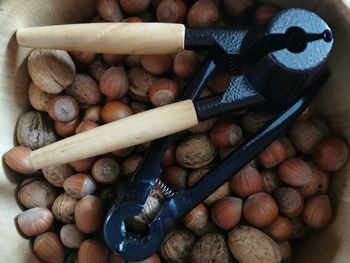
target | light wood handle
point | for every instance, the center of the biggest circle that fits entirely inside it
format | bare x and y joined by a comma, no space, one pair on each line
114,38
127,132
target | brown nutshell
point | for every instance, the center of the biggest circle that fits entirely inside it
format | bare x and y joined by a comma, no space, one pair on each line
35,130
63,208
210,248
195,151
34,192
85,90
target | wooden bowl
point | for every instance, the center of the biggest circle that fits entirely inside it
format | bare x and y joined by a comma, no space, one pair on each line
329,245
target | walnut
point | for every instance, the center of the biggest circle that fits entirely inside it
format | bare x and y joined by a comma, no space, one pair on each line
210,248
195,151
177,245
35,130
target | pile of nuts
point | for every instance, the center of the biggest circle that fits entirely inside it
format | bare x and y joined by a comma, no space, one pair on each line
279,197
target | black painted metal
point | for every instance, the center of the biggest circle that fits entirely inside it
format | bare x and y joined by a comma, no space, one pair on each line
271,65
144,178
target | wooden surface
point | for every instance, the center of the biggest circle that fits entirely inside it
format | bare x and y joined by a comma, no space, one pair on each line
329,245
114,38
136,129
13,87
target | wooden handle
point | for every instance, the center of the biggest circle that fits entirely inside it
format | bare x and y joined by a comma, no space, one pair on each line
114,38
130,131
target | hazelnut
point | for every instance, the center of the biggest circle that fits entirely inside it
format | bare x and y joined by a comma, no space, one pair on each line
115,110
306,134
223,191
35,221
304,115
51,70
250,245
89,214
265,12
260,209
140,83
196,176
82,166
35,130
219,81
34,192
177,245
132,61
56,175
331,154
171,11
195,151
66,129
93,113
236,8
93,250
299,228
105,171
38,98
186,63
274,154
123,152
86,125
163,92
134,6
156,64
63,108
97,68
280,229
290,149
318,185
197,219
317,212
109,10
286,251
270,180
252,122
202,13
175,177
290,201
114,83
70,236
113,59
295,172
226,134
169,156
84,57
247,181
203,126
210,248
48,248
63,208
79,185
85,90
129,165
226,212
